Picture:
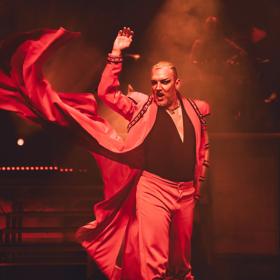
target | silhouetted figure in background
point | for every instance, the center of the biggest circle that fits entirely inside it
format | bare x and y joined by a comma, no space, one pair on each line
217,59
213,52
265,79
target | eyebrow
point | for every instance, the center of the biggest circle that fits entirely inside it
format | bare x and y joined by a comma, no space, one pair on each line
162,80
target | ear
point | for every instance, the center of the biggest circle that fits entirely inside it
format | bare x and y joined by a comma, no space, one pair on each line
177,84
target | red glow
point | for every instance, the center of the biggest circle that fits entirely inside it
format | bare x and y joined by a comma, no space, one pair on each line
40,168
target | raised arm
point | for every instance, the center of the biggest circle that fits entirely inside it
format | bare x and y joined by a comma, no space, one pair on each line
109,86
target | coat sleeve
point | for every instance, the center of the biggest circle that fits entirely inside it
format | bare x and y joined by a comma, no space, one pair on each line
204,154
109,91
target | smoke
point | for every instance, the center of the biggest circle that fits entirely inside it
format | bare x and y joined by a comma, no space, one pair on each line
167,33
170,37
75,67
173,30
176,26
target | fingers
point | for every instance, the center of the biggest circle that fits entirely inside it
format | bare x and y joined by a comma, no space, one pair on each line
126,31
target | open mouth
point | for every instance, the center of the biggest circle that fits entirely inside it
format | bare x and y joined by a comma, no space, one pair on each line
160,94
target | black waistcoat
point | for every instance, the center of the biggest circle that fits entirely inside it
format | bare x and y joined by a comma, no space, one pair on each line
165,153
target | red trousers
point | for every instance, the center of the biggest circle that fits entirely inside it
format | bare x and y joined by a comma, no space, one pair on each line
164,210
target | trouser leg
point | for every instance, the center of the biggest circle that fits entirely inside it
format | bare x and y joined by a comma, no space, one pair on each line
154,221
180,239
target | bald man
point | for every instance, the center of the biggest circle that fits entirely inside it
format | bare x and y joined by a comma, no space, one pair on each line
151,179
169,131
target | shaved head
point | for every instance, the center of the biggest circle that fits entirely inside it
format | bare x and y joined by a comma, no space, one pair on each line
167,64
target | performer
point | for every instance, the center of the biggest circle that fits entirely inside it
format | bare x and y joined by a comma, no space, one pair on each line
168,130
151,180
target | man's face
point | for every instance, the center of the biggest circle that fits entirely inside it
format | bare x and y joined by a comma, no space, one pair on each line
164,86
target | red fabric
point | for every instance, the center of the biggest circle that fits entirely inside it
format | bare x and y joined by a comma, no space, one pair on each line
141,113
165,215
24,90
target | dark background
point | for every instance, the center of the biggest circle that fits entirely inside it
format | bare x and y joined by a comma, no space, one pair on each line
237,234
163,30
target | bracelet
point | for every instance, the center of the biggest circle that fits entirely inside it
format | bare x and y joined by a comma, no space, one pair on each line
114,59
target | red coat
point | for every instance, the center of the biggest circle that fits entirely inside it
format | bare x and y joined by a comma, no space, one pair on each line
24,90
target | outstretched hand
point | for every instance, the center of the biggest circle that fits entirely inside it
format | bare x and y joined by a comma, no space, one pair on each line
122,41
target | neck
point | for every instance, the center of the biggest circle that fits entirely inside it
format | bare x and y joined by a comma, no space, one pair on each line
174,105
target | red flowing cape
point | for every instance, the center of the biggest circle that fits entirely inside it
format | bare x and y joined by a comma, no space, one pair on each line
25,91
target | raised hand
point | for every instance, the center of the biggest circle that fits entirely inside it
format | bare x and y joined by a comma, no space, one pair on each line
122,41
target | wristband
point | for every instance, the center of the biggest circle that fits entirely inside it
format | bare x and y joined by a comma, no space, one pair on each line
114,59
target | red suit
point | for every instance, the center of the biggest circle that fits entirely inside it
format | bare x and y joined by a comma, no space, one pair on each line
112,240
